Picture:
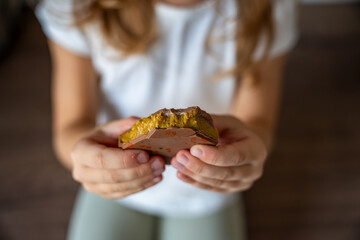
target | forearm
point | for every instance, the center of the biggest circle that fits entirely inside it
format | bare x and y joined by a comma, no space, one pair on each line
258,99
74,100
65,138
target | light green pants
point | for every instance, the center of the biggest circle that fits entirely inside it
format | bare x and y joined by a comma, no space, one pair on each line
96,218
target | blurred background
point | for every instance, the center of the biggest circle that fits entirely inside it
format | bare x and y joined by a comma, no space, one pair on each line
311,186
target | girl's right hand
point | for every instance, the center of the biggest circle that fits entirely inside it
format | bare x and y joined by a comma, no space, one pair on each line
104,169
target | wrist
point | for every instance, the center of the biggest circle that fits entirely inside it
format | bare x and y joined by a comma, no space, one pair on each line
264,130
64,140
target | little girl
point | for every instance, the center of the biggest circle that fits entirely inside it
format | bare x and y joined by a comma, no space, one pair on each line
115,59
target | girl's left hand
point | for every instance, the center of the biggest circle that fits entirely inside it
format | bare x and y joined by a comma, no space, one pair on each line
231,166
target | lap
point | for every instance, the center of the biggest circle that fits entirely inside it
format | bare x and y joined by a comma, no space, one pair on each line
227,224
96,218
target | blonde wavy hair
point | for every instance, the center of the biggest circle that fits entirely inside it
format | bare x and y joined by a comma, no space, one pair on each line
130,26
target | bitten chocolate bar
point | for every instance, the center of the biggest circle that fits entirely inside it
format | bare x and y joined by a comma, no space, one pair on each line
169,130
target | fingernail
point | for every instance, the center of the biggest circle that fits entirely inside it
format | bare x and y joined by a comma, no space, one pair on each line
142,158
156,165
184,177
177,165
196,152
182,159
157,179
158,172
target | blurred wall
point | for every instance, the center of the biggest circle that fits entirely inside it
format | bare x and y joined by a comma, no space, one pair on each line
329,1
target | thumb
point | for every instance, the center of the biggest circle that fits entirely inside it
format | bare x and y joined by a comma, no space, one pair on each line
225,122
230,128
115,128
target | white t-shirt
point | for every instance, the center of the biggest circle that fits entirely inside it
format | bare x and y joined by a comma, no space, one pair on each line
175,73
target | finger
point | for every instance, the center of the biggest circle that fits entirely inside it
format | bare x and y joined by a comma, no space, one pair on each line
186,162
194,182
156,165
217,183
106,188
108,134
235,154
213,182
95,155
117,195
118,127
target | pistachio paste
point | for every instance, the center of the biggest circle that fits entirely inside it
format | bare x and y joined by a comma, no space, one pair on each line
192,117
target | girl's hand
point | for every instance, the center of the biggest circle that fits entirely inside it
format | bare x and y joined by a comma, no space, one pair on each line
232,166
103,168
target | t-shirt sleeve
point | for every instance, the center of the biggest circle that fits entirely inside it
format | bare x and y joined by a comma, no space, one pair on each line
57,21
285,29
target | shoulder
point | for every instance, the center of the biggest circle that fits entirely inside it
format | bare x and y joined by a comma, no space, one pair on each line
63,11
57,18
285,26
284,9
285,29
